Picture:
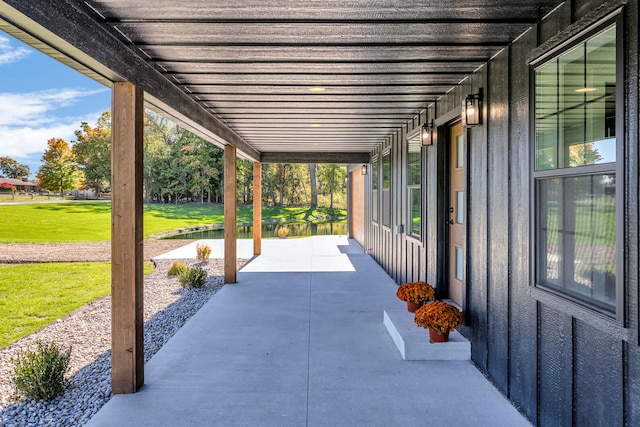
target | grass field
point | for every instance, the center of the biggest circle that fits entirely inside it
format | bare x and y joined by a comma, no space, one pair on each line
34,295
91,221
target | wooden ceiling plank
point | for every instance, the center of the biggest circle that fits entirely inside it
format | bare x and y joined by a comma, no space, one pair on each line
315,157
325,10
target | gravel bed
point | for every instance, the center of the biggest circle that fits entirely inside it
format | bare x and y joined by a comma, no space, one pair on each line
21,253
167,306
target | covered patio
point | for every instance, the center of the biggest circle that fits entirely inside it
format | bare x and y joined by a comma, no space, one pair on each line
323,81
465,199
300,341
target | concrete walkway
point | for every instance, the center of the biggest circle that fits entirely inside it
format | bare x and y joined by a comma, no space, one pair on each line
299,341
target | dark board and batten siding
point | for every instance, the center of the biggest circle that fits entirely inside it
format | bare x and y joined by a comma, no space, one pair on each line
559,364
523,309
402,256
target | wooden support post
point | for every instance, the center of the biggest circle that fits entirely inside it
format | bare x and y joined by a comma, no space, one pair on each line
230,236
257,208
127,344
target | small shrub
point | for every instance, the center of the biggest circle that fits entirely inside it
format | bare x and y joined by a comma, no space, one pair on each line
193,277
40,374
283,232
176,268
203,252
6,187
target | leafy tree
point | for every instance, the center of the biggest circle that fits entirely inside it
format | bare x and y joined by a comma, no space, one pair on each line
332,182
12,169
59,170
179,165
93,152
268,185
202,162
281,180
297,185
314,185
244,181
584,154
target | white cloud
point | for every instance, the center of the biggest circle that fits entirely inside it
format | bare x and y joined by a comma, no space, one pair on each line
29,120
9,54
38,108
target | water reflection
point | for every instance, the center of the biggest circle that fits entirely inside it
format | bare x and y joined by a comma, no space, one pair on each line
270,231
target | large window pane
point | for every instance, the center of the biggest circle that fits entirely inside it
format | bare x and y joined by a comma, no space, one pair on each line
414,180
386,189
576,106
416,210
575,212
375,167
414,163
578,237
386,171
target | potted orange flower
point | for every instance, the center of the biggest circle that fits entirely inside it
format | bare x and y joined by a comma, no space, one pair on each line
415,294
440,318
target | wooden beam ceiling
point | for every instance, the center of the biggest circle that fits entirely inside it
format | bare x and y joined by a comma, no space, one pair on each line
246,69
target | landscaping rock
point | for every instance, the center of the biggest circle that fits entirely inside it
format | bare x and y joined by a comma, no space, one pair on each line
167,306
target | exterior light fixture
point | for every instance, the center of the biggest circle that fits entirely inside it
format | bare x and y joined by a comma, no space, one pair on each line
317,89
426,134
365,169
472,110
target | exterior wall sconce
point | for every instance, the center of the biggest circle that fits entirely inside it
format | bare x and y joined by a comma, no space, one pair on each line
365,169
426,134
472,110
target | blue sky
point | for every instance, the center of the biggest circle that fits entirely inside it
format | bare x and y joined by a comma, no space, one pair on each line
41,99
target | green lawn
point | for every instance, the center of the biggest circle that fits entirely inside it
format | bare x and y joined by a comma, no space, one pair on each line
90,221
34,295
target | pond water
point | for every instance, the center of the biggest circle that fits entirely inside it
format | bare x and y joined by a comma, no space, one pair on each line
269,231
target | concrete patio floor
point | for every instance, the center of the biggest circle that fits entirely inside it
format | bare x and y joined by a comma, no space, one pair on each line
299,341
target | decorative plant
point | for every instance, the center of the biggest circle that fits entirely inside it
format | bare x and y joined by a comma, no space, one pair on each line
440,316
193,277
40,374
416,292
7,187
203,252
283,232
176,268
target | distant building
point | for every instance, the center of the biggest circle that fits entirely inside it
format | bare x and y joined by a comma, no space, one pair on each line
22,184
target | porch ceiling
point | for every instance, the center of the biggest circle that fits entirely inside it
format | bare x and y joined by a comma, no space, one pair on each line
252,63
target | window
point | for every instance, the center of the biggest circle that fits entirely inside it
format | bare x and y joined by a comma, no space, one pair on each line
386,189
575,181
375,165
414,190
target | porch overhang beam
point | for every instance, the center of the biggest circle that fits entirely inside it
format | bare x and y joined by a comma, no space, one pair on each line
315,157
75,38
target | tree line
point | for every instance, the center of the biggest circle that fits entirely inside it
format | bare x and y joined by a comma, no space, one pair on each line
179,167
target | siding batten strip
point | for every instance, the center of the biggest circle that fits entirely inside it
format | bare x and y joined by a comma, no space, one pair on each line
127,346
230,236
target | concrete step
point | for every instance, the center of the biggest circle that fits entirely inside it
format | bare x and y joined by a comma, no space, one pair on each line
413,341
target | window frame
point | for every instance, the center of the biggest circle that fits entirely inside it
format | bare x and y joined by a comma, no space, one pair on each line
419,187
617,168
375,186
385,208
